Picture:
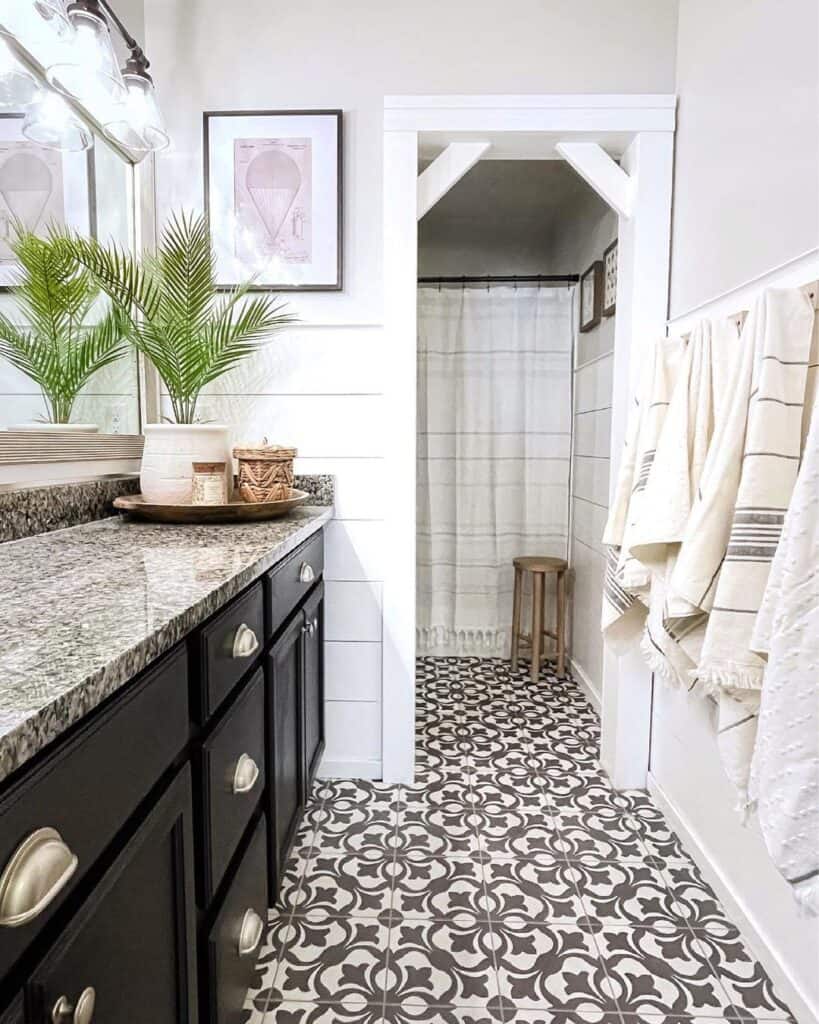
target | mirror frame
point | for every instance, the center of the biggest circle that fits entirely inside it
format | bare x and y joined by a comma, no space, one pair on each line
24,456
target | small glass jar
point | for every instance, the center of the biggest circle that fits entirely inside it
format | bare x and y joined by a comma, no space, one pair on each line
209,484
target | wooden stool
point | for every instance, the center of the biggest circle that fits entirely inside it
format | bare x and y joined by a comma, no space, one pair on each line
539,567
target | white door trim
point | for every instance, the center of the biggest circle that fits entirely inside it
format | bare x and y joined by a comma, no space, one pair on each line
643,266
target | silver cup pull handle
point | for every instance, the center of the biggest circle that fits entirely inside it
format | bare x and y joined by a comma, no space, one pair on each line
38,871
246,774
306,573
245,642
82,1013
250,933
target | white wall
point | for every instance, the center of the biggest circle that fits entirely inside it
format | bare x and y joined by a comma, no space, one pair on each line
323,391
746,192
746,199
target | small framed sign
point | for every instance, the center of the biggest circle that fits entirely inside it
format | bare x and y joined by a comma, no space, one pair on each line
610,279
273,195
591,296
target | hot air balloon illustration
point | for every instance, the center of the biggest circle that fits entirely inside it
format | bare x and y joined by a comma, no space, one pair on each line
273,180
26,186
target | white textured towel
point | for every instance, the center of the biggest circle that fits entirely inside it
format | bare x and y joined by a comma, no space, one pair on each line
627,582
671,646
785,769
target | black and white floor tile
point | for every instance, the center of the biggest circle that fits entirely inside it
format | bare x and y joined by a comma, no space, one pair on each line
509,883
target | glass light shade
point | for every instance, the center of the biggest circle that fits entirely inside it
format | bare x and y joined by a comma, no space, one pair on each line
138,125
29,21
88,70
50,122
18,86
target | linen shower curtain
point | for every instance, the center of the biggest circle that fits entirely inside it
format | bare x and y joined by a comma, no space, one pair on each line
494,441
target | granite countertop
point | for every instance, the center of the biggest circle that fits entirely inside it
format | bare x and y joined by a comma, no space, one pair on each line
84,609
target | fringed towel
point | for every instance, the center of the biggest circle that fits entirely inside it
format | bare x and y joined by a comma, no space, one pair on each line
785,769
734,528
627,582
671,646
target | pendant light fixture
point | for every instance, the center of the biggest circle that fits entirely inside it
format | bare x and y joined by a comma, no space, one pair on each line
138,124
88,71
51,123
18,86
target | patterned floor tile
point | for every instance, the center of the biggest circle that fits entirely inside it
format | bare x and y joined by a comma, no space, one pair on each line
523,890
440,962
508,883
438,889
321,1013
547,965
344,885
749,991
663,972
627,893
332,960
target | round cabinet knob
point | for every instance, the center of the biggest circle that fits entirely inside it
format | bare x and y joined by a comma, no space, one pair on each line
82,1013
37,872
245,642
306,573
250,933
246,774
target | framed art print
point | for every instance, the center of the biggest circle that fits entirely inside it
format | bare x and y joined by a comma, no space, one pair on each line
273,196
591,296
39,187
610,279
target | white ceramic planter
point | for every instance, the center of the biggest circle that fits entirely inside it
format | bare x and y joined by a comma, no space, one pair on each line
168,457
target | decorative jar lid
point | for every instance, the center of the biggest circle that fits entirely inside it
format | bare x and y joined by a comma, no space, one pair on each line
265,452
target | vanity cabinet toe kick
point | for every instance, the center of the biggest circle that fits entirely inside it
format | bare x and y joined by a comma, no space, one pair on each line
140,851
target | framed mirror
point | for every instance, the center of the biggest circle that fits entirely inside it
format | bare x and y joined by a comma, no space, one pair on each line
99,192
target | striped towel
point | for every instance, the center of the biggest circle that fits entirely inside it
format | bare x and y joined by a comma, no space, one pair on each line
671,646
784,784
627,581
734,528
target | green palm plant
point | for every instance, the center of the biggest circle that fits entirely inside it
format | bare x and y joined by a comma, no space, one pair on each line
177,316
53,343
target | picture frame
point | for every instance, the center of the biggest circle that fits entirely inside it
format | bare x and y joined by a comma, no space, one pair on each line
610,279
38,187
591,296
274,197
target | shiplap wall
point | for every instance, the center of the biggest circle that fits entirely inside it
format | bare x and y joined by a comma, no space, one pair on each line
319,388
594,227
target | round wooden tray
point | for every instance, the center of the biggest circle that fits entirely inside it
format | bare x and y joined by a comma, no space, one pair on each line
233,512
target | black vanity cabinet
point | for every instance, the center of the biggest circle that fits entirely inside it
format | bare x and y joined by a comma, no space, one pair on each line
129,953
313,686
144,846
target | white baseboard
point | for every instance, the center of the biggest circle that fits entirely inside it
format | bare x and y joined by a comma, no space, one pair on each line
329,769
722,886
586,685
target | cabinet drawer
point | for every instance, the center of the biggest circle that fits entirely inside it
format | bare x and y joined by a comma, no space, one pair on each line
237,934
233,779
129,954
228,646
288,582
84,792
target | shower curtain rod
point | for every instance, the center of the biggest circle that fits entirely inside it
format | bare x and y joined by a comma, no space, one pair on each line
504,279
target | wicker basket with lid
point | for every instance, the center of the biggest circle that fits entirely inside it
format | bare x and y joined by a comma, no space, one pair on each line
265,471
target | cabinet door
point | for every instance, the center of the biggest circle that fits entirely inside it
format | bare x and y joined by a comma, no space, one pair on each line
285,755
129,952
313,686
14,1014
